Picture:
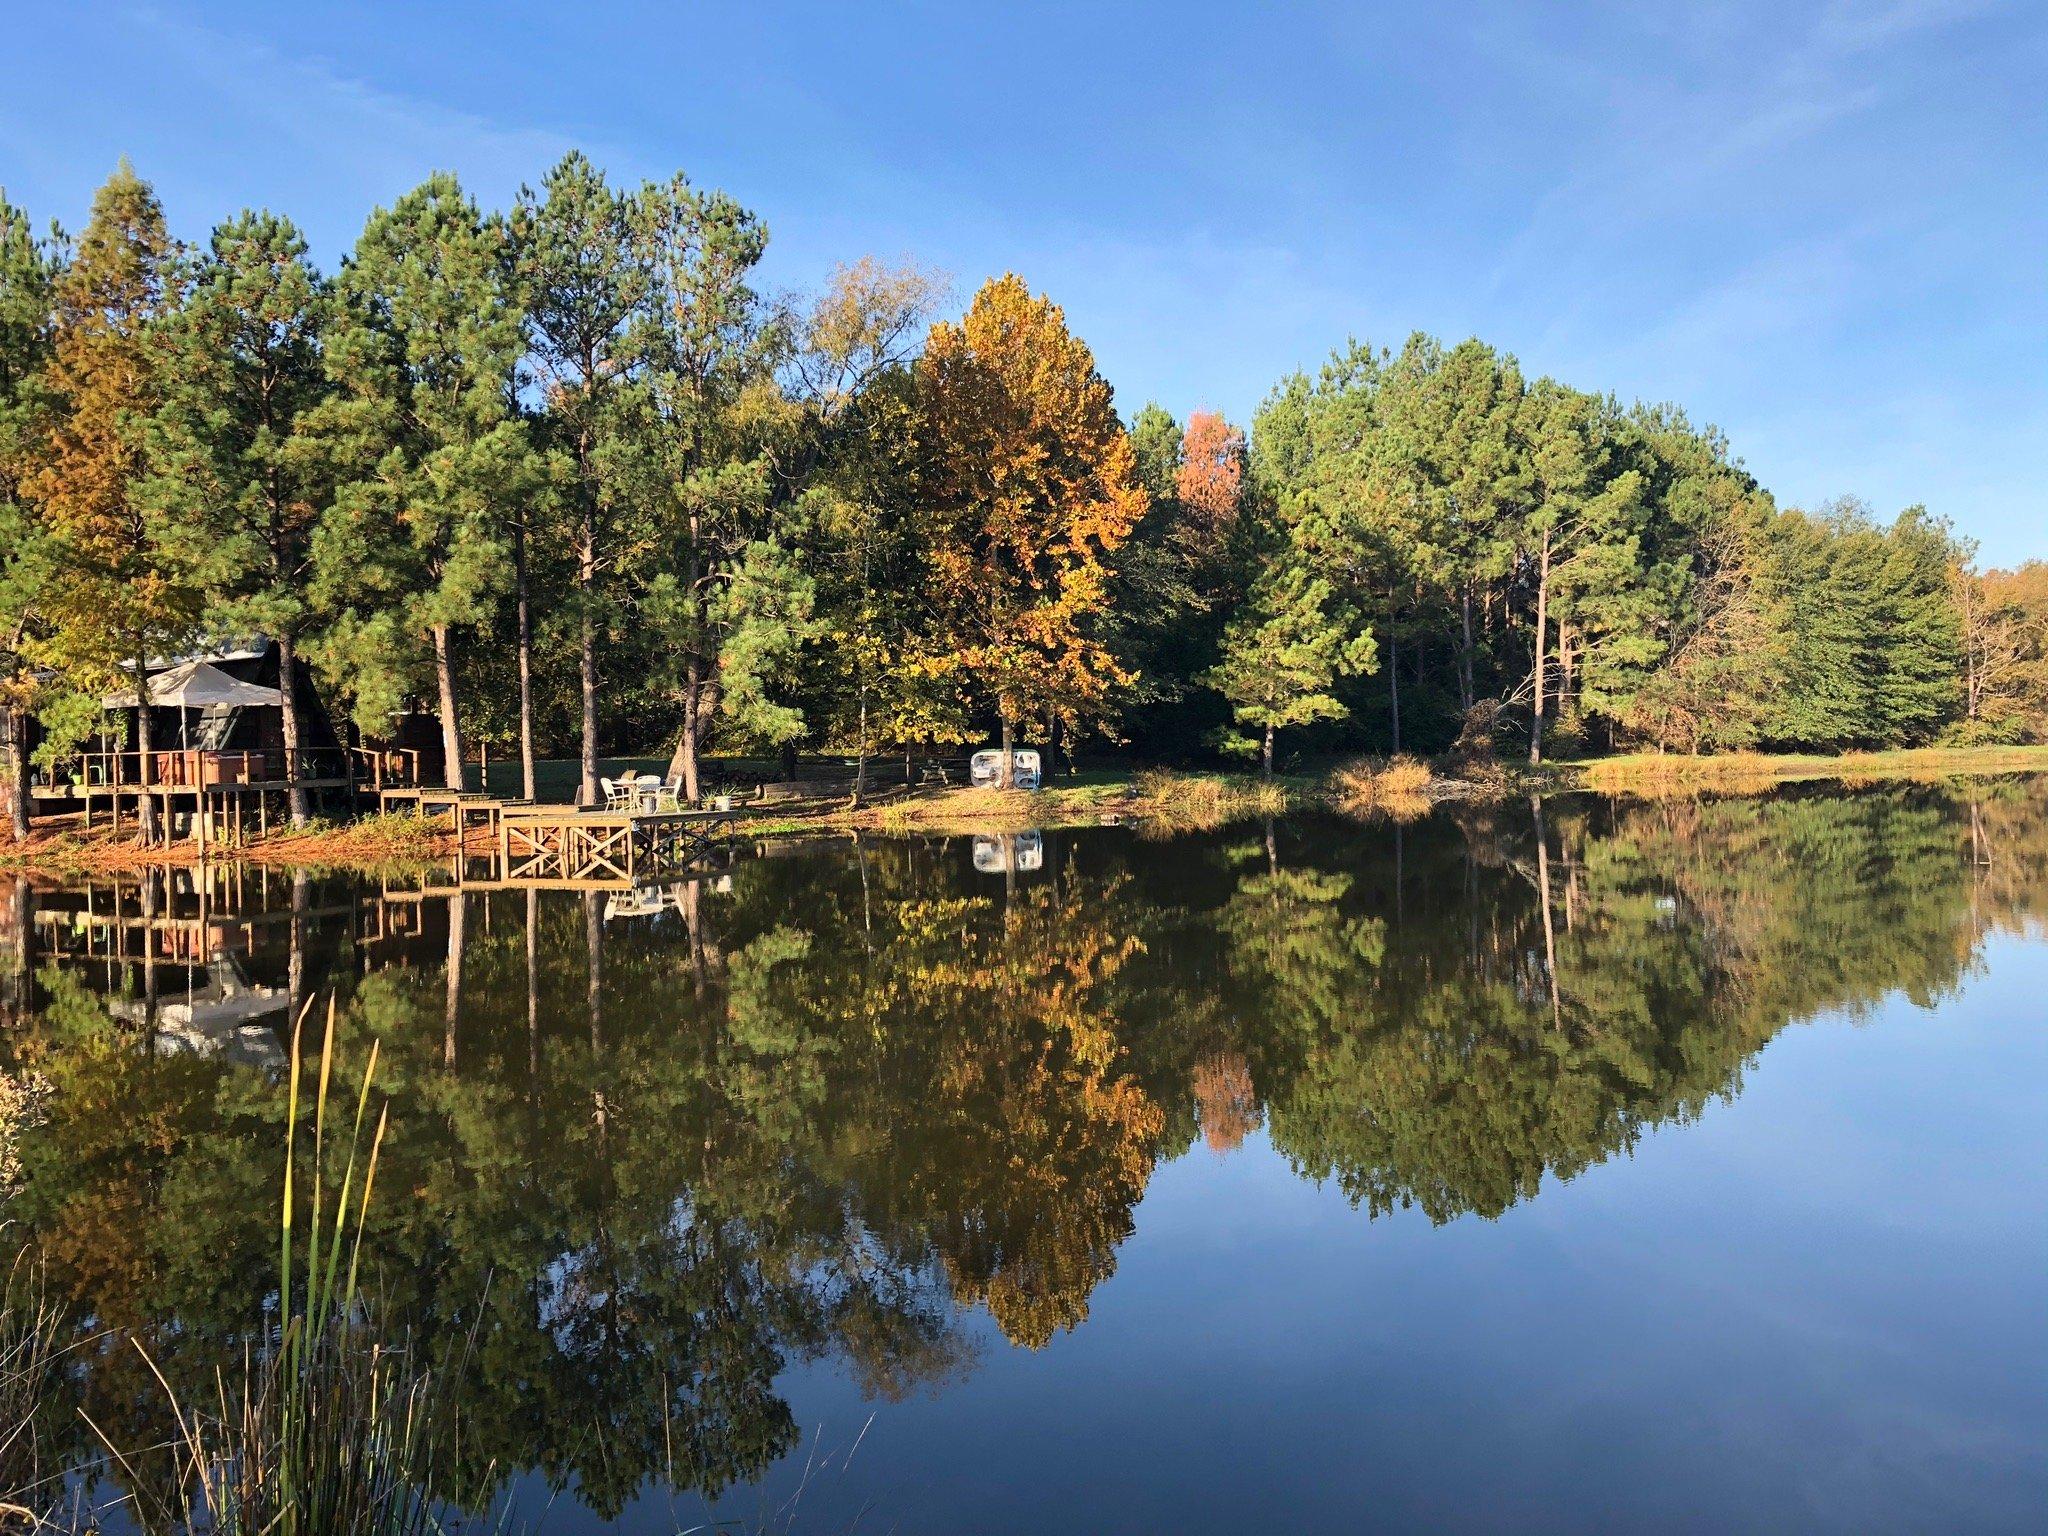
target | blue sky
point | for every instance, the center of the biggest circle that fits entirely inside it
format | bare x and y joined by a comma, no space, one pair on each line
1822,224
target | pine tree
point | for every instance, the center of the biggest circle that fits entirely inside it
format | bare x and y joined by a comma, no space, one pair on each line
707,345
1919,629
1156,441
28,274
428,452
235,472
582,281
1283,651
1579,534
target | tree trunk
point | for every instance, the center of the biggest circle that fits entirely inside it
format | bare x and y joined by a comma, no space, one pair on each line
1006,777
20,806
1266,754
586,587
1549,924
860,758
682,761
1542,626
700,694
451,1011
288,707
700,698
1465,647
451,731
1394,687
145,813
527,782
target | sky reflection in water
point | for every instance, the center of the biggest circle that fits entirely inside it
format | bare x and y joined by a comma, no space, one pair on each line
1319,1175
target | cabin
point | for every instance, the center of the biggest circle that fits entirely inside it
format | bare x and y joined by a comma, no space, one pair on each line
217,755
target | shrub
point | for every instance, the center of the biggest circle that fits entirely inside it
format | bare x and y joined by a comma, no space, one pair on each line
1198,802
1369,786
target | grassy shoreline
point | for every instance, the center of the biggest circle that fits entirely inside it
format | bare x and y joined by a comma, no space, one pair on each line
1403,787
1167,799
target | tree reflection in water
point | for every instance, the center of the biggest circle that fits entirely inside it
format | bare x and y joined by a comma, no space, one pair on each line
647,1163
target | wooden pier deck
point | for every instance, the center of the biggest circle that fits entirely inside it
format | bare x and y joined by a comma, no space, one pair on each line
469,807
563,843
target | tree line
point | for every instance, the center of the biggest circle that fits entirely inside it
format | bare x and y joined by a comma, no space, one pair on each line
568,475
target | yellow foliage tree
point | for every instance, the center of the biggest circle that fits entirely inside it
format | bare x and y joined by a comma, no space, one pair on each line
1032,482
114,596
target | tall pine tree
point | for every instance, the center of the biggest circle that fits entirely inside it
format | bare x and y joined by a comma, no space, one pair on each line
582,279
236,474
427,449
28,274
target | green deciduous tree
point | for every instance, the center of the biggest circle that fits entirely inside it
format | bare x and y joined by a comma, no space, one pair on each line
854,480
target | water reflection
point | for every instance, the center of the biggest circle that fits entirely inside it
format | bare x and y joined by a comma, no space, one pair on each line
650,1148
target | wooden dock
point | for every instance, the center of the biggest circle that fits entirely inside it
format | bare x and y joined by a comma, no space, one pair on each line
595,848
469,807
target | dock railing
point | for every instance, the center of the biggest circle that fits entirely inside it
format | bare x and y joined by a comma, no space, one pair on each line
209,768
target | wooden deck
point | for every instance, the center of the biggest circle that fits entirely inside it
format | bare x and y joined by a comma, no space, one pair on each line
469,807
592,848
222,813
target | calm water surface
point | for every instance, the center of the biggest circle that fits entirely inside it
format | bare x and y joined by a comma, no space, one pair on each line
1678,1166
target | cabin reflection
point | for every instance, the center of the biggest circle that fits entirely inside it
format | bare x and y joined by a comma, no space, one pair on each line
219,959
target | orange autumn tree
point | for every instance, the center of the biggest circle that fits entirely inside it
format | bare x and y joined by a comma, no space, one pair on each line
119,588
1031,483
1210,480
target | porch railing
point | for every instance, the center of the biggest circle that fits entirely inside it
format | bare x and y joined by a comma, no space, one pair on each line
203,768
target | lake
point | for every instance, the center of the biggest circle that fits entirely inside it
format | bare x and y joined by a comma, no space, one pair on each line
1676,1165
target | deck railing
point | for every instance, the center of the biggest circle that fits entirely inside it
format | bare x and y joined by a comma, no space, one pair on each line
203,768
385,767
